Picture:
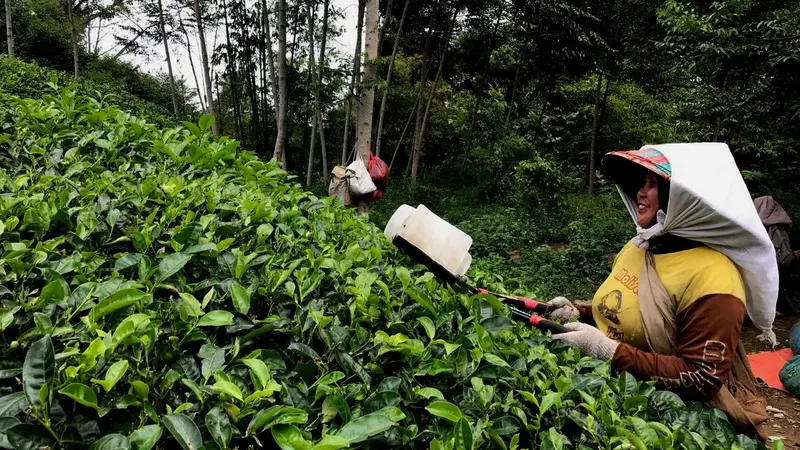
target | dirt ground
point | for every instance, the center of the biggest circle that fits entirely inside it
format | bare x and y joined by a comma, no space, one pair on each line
785,408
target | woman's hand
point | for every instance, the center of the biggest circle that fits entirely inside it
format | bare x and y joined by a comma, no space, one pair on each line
590,340
563,310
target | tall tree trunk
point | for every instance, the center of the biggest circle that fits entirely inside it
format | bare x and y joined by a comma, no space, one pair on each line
595,125
163,30
280,153
218,106
262,73
389,7
320,73
356,70
416,155
294,31
371,22
313,69
97,38
233,78
206,71
423,78
250,82
191,60
273,79
384,99
513,92
9,30
74,33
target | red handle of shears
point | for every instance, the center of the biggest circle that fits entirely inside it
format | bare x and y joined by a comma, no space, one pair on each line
527,303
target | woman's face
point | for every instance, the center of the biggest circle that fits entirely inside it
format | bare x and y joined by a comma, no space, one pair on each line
647,201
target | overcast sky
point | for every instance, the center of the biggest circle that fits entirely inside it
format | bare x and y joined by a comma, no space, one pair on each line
156,61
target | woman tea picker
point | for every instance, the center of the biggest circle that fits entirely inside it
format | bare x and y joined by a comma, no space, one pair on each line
673,307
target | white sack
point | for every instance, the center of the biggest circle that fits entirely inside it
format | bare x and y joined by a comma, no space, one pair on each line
360,181
709,203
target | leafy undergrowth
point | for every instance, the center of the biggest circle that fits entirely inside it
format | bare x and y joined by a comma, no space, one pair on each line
30,80
161,289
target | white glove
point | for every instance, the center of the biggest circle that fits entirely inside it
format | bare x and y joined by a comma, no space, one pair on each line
590,340
564,311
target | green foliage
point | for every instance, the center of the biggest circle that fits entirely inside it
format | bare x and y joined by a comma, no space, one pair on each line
28,80
131,253
540,183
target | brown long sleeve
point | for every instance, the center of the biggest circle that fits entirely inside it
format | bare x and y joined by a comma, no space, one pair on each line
708,333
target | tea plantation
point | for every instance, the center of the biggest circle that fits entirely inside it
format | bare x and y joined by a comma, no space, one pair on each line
162,289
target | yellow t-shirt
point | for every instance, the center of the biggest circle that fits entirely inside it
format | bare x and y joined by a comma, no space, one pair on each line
686,275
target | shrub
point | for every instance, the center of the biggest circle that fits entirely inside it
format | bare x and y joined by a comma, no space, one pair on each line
162,289
29,80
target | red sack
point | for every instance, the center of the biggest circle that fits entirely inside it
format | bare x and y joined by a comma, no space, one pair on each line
378,171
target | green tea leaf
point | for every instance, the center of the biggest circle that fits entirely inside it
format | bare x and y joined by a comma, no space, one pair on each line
552,440
145,438
496,360
303,349
637,401
219,427
430,328
506,425
141,389
38,369
241,298
627,384
184,431
276,415
429,392
216,318
206,122
172,264
445,409
331,442
228,388
364,427
12,372
463,435
382,400
5,424
289,437
53,292
548,400
43,323
113,375
27,436
194,306
127,261
201,248
90,355
13,404
213,359
111,442
330,378
80,393
260,370
118,300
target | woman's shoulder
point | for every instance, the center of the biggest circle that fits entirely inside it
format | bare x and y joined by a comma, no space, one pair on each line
706,271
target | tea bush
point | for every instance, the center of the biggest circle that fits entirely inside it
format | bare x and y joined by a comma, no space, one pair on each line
29,80
161,289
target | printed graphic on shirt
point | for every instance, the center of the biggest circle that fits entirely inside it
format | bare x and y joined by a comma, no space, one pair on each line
611,312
